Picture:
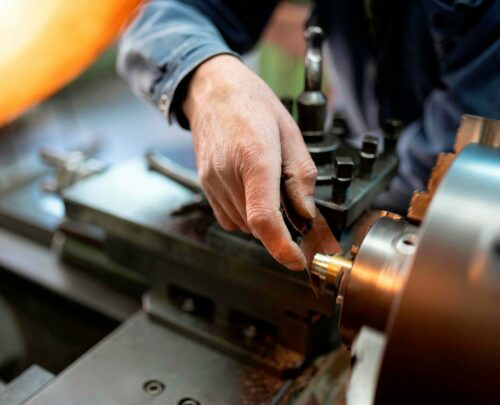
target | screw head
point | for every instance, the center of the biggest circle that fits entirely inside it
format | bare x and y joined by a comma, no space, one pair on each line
344,167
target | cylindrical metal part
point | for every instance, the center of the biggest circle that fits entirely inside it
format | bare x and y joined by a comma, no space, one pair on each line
323,152
311,110
368,156
368,290
329,268
167,167
314,36
311,104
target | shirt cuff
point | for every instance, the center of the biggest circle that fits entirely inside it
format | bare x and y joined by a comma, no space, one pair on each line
169,90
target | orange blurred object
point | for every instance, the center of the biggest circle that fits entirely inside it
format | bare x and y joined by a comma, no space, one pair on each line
46,43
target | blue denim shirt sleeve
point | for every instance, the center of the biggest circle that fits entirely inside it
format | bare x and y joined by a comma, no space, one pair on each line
170,38
468,50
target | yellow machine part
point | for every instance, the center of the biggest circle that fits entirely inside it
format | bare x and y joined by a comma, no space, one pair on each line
44,44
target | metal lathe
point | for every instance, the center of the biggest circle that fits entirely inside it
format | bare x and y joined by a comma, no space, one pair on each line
132,294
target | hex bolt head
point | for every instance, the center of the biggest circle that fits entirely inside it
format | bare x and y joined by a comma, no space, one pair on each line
344,167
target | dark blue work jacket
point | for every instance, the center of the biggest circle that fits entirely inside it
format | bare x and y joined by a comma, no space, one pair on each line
426,62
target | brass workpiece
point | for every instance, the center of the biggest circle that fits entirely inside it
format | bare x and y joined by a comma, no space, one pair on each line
328,268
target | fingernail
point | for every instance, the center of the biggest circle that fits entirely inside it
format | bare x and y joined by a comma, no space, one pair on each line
297,264
310,205
294,266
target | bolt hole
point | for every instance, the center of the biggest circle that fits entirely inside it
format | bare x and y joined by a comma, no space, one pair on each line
409,239
188,401
153,387
408,242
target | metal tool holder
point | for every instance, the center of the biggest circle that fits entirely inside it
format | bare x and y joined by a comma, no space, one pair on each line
348,179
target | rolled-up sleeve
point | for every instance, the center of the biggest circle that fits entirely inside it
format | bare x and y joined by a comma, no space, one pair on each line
170,38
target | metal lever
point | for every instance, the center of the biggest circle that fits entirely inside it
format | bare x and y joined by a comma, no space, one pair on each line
311,103
314,58
174,171
185,177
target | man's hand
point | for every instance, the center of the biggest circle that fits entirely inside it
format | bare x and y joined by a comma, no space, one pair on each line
245,141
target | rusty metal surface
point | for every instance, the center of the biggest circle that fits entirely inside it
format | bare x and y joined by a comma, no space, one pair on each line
421,199
140,351
474,129
249,343
325,382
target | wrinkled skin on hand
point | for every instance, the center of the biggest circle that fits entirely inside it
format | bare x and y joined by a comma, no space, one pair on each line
245,141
